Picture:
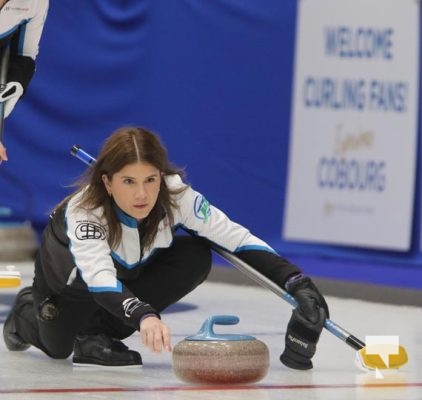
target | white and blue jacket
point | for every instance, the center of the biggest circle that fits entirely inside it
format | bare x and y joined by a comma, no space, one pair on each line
75,251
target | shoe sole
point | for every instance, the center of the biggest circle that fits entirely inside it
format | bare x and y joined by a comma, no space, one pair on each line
101,366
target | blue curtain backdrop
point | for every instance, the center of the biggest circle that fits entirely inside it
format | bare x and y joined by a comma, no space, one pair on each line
213,78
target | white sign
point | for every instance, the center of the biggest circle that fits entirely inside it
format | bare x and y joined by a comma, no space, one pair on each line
353,142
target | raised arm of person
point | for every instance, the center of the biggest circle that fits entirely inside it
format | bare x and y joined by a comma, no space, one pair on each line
21,27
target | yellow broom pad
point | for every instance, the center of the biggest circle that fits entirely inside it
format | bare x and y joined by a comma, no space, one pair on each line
378,358
10,279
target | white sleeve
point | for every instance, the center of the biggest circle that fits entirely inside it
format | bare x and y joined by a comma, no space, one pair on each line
32,34
90,249
197,215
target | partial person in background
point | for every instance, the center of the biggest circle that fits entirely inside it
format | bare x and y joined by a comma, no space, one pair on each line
21,26
111,261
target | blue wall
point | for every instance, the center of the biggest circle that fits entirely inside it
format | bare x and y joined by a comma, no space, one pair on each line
213,78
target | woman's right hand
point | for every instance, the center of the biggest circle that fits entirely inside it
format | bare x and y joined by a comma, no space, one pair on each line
3,154
155,334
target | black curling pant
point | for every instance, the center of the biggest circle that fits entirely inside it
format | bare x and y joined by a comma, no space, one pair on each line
170,275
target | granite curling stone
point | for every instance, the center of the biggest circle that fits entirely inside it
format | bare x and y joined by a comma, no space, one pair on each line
210,358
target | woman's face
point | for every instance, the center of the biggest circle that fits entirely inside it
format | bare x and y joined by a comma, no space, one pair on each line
135,188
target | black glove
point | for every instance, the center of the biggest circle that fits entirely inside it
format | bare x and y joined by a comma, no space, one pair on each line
305,325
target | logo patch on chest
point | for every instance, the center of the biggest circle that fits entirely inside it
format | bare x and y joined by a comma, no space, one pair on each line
90,230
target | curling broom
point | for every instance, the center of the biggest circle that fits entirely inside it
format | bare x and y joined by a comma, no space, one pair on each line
367,361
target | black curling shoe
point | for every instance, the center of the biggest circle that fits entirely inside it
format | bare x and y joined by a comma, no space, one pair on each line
102,351
11,338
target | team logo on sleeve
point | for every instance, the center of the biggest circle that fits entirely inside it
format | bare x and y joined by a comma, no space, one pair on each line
202,208
90,230
130,305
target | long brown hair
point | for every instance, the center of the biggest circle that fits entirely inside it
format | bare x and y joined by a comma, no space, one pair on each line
125,146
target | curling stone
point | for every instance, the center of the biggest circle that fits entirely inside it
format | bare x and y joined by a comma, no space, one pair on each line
210,358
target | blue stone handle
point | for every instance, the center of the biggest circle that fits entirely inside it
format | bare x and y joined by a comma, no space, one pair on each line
207,332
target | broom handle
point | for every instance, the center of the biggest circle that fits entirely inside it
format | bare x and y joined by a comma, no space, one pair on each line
4,65
262,280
